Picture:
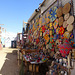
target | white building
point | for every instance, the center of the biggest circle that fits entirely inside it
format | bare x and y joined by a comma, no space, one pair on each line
7,38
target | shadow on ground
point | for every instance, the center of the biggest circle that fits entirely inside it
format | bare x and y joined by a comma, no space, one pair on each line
10,66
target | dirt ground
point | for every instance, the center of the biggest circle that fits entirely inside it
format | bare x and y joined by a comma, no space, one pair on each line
8,62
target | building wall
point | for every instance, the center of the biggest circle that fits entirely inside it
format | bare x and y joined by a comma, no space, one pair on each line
74,6
50,2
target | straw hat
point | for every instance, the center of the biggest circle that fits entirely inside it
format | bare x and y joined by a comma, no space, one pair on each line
65,24
60,21
70,20
66,16
59,12
66,8
69,28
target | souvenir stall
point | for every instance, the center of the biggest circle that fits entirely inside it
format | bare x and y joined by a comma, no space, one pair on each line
52,33
51,37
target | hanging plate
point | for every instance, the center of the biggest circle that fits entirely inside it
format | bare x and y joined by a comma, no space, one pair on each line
65,24
59,12
47,17
69,28
57,30
66,8
61,31
60,21
66,35
70,20
55,24
52,13
51,26
66,16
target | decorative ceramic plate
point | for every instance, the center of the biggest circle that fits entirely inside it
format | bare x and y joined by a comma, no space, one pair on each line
61,31
55,24
52,13
66,35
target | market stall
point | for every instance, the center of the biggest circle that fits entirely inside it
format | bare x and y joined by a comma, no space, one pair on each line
52,34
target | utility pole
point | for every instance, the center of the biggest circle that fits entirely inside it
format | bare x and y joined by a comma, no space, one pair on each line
0,32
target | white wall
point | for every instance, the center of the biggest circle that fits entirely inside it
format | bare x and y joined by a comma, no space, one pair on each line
9,36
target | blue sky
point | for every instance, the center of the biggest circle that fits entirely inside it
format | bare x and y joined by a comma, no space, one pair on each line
13,12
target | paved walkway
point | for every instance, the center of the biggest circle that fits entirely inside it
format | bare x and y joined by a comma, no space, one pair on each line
8,62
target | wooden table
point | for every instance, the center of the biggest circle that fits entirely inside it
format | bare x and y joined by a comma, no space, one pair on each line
33,64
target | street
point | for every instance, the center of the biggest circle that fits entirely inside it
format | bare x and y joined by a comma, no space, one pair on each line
8,62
